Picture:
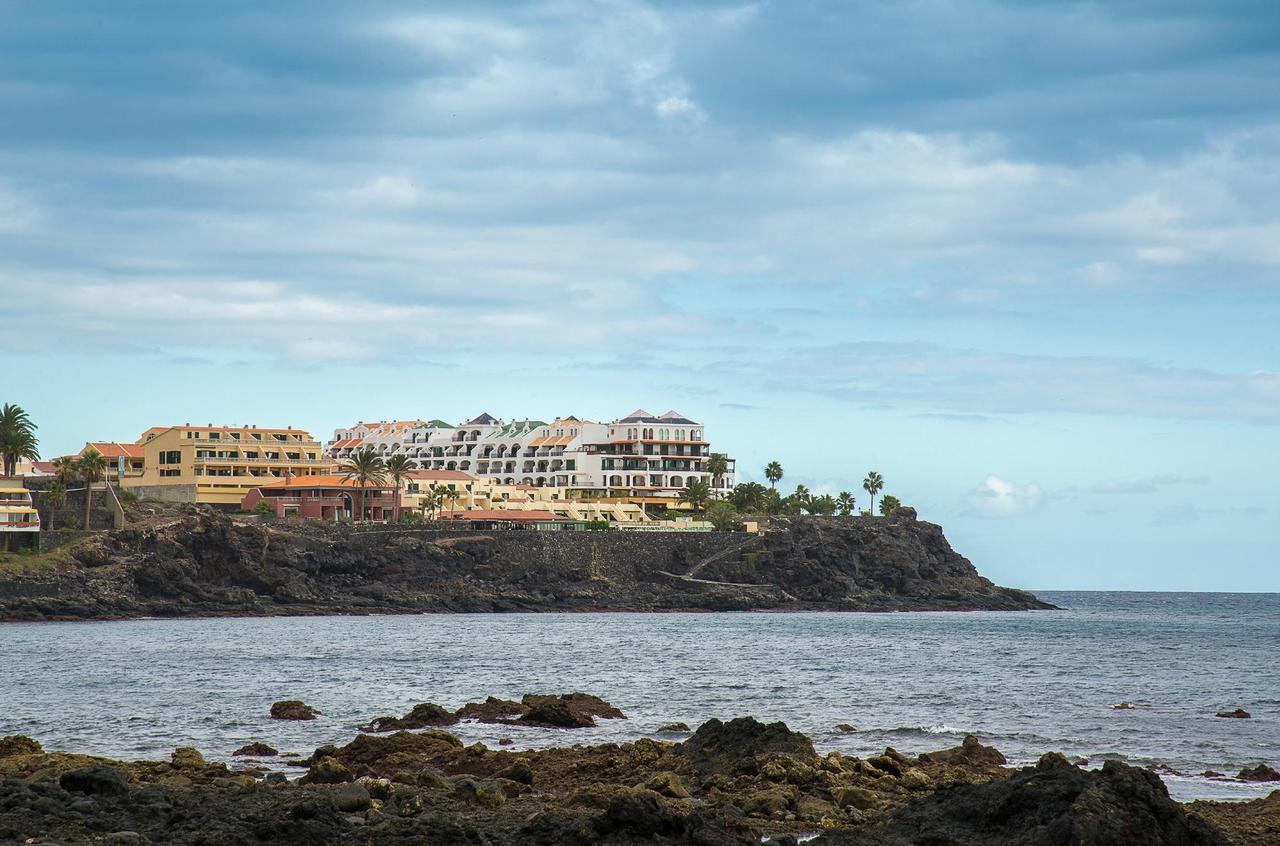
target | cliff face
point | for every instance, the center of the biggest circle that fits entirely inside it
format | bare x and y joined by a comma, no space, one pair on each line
204,563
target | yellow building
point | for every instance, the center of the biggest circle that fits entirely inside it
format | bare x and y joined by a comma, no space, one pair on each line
124,461
470,493
220,464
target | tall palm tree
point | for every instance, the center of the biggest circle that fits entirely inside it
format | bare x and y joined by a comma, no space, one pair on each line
717,466
845,503
398,467
17,438
697,494
92,466
365,468
773,472
873,484
450,497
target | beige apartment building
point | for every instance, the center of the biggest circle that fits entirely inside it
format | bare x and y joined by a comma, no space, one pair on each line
218,465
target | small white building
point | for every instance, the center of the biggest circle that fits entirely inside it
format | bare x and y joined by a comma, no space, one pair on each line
19,520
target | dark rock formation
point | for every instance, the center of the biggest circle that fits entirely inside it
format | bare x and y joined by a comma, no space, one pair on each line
18,744
569,710
255,750
1237,714
202,562
420,716
1050,804
1262,772
492,710
719,747
1255,823
970,751
292,709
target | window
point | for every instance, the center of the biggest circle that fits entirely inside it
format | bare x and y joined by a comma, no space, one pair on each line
214,436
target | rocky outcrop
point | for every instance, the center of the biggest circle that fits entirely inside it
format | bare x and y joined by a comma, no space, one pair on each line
1237,714
735,783
203,562
1262,772
421,715
1051,804
292,709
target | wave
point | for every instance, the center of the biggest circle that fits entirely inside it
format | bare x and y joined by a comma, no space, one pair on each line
938,729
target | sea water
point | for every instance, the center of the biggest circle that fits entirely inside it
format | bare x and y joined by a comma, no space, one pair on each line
1026,682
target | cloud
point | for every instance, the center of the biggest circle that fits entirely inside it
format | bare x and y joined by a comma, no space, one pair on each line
1186,514
996,497
972,382
1148,484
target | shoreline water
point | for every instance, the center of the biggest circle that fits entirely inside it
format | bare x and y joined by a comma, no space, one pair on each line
1025,683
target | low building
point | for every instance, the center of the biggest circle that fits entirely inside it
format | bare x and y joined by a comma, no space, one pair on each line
19,519
218,465
327,497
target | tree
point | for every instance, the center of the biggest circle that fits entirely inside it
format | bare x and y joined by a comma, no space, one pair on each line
17,439
773,502
873,484
889,503
65,467
799,500
845,503
55,494
723,516
824,505
717,466
366,468
450,497
773,472
92,465
749,497
696,494
398,467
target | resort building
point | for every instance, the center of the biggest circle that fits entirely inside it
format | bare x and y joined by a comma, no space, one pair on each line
218,465
326,497
641,458
19,520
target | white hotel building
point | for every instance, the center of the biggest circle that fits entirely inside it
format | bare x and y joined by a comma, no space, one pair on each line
639,457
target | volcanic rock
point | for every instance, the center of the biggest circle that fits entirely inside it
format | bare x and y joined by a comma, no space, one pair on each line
293,709
98,780
726,747
420,716
255,750
1237,714
1050,804
18,744
1262,772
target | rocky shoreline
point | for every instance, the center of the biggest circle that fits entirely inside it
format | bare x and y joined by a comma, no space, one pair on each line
194,561
724,784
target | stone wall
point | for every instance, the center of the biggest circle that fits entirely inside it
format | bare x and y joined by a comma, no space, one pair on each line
70,515
167,493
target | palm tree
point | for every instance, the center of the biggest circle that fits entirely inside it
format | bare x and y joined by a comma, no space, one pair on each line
55,494
800,500
889,503
717,466
773,472
398,467
17,438
365,468
65,467
749,497
450,497
696,494
873,484
824,505
845,503
92,465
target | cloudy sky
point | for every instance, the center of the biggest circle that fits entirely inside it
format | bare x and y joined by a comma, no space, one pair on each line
1023,258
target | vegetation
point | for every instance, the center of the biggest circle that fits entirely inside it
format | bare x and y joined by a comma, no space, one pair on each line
717,466
365,468
873,484
696,494
846,504
264,508
65,467
723,516
773,472
91,467
55,494
824,505
398,467
750,498
17,438
888,503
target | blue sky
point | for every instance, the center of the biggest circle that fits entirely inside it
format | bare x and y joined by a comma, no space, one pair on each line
1021,258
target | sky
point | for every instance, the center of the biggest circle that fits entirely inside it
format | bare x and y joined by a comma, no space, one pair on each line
1021,258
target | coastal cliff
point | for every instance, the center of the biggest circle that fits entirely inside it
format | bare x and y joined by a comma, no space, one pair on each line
200,562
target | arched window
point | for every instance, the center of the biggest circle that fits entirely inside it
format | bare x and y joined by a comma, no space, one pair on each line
677,482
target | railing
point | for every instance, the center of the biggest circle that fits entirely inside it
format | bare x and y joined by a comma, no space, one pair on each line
242,460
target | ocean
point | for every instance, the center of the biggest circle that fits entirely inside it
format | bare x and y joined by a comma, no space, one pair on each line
1026,682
